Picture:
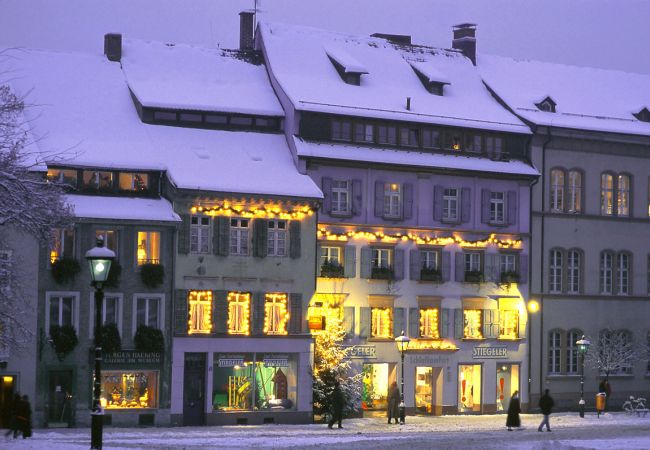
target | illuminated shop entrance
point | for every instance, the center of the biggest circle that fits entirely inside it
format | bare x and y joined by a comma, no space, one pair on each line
377,378
428,390
507,384
469,388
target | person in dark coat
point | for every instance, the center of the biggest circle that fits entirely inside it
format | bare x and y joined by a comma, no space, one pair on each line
337,406
546,404
393,403
514,409
26,417
13,420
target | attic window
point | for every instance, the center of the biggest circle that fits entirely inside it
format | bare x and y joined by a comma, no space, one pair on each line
431,78
546,105
643,115
348,68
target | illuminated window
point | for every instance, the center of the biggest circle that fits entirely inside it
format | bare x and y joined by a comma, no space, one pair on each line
109,237
340,197
497,207
623,195
557,190
61,244
575,192
200,312
573,271
382,322
429,323
572,351
623,273
98,180
276,314
64,176
450,205
606,272
148,247
364,132
129,390
472,319
133,182
199,234
277,238
607,194
392,200
453,141
508,324
555,271
239,236
554,351
239,312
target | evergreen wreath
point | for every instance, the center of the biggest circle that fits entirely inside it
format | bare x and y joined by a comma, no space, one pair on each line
64,340
111,340
152,275
65,269
149,339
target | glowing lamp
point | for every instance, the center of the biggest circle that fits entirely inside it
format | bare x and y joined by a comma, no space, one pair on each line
99,260
583,344
533,306
402,343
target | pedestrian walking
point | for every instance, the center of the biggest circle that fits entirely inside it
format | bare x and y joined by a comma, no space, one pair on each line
13,421
337,406
514,409
25,417
393,403
546,404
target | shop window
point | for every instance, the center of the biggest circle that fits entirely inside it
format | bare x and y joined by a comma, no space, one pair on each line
340,197
199,234
276,314
200,312
61,244
109,237
382,322
98,180
557,190
392,200
364,132
62,310
277,238
554,352
507,384
572,351
129,389
239,312
341,130
64,176
472,324
450,201
134,182
429,322
424,386
497,207
239,236
148,247
508,324
469,388
377,379
147,311
254,382
387,135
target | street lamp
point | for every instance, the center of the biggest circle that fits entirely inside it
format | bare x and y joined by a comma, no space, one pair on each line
99,260
402,345
583,347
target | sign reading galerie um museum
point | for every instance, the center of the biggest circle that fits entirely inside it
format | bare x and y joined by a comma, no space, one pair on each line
482,352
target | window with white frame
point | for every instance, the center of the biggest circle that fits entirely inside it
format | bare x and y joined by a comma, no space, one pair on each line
555,271
572,351
557,190
148,247
575,192
199,234
61,244
276,314
573,271
607,194
472,262
382,257
497,207
623,195
554,352
364,132
429,322
623,269
111,311
430,259
392,200
109,237
200,312
382,322
277,238
330,255
239,236
340,197
606,272
450,205
239,312
61,309
148,311
508,262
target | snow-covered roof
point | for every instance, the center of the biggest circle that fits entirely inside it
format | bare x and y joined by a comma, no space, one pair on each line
83,115
432,74
306,74
193,78
586,98
351,152
347,61
122,208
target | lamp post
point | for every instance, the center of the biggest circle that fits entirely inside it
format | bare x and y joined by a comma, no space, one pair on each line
583,347
402,345
99,260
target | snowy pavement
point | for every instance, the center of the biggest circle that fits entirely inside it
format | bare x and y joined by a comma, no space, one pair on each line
611,431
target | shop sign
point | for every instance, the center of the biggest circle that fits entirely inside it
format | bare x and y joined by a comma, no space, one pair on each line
225,361
276,362
430,360
133,358
481,352
362,351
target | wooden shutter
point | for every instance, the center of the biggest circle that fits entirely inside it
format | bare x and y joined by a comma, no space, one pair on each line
327,195
407,210
220,319
414,264
398,266
438,192
348,320
221,236
364,322
523,268
414,322
257,322
399,323
485,206
181,316
460,267
260,237
459,323
366,262
487,323
512,207
465,204
294,239
379,199
350,261
184,235
445,323
357,198
446,266
495,323
295,310
522,325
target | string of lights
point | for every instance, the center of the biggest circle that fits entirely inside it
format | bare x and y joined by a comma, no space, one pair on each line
273,211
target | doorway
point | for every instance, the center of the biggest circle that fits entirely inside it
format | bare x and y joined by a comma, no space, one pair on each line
507,384
194,389
60,412
377,377
428,390
7,391
469,388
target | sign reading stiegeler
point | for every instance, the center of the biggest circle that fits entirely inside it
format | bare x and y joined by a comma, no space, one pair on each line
480,352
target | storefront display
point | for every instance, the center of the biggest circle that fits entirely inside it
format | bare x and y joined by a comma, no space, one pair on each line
376,380
129,389
423,390
469,388
507,383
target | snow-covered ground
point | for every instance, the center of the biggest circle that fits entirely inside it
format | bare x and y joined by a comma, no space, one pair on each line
611,431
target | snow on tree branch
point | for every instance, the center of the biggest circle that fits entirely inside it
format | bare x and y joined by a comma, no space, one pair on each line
614,352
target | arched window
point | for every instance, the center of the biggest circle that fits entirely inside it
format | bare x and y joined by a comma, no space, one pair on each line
554,351
574,200
623,195
606,272
607,194
555,271
557,190
623,278
572,353
574,260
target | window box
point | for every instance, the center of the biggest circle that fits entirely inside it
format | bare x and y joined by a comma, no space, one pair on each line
65,270
152,275
382,273
474,276
149,339
509,277
428,274
331,269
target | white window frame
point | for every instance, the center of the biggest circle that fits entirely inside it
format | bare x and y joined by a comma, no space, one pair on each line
450,205
103,232
574,260
340,197
430,259
554,361
557,190
497,207
148,248
327,254
472,261
277,237
575,192
60,238
623,190
606,194
240,235
572,352
508,262
200,231
202,307
161,311
49,295
623,273
120,311
393,200
379,255
606,273
555,271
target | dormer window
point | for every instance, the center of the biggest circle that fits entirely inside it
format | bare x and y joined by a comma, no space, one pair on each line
546,105
643,115
430,77
348,68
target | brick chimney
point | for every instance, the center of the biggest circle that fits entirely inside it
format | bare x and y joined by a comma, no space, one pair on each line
113,46
246,30
465,40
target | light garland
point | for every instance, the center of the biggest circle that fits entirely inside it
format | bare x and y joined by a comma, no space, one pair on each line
472,328
509,323
235,300
423,344
271,211
382,322
273,301
324,233
200,301
429,323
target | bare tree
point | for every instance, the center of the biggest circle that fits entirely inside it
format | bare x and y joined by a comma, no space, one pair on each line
614,352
